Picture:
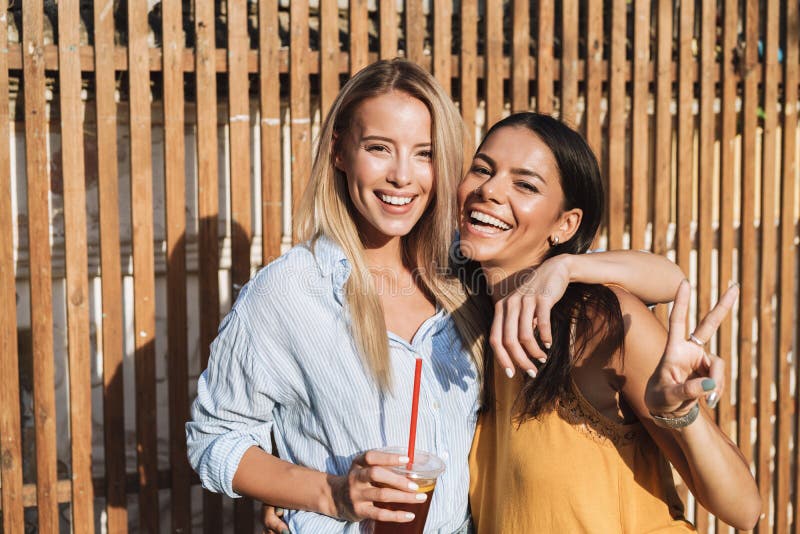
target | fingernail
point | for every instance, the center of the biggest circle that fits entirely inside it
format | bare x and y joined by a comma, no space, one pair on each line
708,384
509,372
542,360
403,460
531,373
413,486
278,511
285,531
547,345
712,400
421,496
409,515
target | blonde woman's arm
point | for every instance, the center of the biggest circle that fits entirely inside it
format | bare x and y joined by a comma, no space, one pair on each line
650,277
667,380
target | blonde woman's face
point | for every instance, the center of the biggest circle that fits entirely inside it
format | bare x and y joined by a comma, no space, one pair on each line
386,156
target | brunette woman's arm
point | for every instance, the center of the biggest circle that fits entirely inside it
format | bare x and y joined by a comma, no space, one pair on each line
650,277
670,376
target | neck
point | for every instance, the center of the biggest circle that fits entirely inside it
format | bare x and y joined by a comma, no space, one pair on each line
387,254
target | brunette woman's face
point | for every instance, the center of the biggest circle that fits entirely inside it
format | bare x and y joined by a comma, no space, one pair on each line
386,156
511,202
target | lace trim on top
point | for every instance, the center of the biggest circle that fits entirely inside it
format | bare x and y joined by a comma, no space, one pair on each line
573,407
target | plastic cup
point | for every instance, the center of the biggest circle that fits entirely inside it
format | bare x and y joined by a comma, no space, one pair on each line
424,472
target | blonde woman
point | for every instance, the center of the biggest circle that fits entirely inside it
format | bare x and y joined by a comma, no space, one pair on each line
319,348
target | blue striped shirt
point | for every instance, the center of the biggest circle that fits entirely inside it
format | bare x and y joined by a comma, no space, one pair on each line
285,362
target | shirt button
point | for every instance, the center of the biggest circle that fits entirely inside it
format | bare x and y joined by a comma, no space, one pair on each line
435,405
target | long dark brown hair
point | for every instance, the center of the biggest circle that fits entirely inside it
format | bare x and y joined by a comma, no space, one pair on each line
575,318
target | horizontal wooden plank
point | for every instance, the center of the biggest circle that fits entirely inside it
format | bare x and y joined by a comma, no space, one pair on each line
221,62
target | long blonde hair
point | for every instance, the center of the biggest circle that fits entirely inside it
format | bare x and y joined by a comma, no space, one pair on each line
326,209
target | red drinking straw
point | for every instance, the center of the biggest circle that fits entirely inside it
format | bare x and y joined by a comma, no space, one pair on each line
412,433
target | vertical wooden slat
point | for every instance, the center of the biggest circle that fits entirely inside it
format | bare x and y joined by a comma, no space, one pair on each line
494,61
705,188
39,251
768,252
569,61
747,249
594,75
175,190
80,401
468,68
299,110
640,124
143,267
544,57
359,35
328,57
663,135
270,101
414,31
111,282
442,42
207,208
725,410
616,128
239,168
388,28
786,307
10,439
686,63
520,56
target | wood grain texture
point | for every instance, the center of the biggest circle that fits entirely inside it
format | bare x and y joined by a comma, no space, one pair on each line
299,105
787,307
544,57
640,126
358,35
493,76
328,57
175,190
110,267
143,265
10,438
520,56
615,172
387,35
442,42
208,209
593,128
468,67
41,298
569,62
414,31
73,176
270,102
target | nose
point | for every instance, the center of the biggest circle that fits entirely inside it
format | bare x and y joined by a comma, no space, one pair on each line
400,174
491,190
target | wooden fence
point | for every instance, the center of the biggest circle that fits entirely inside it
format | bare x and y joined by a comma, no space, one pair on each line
691,107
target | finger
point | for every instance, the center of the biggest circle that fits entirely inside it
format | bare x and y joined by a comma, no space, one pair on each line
376,457
717,373
496,341
393,495
388,516
271,520
511,337
543,319
677,317
692,389
710,323
526,337
383,477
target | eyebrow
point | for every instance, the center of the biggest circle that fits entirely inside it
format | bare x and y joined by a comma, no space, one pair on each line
389,140
522,171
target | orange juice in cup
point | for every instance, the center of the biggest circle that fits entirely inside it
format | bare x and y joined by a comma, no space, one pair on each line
424,472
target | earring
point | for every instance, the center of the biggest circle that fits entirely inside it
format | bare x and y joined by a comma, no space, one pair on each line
553,240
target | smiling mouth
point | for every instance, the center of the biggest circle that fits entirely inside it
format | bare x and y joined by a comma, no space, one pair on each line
394,200
484,220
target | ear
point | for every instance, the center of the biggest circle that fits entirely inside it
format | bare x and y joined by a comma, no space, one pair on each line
336,152
569,222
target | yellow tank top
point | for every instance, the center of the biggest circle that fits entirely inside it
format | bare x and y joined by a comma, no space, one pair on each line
569,471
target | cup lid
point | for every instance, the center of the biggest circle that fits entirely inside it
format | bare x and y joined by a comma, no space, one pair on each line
425,465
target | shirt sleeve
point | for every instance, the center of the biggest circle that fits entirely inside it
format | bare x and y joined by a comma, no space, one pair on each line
233,408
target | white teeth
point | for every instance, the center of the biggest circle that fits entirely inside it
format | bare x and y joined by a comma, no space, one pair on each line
488,219
396,201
